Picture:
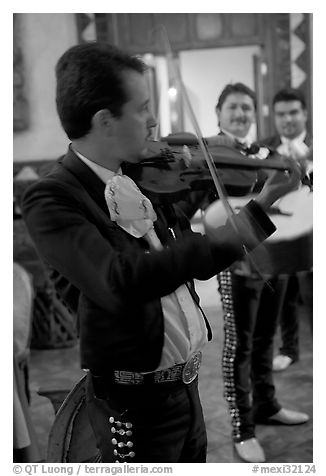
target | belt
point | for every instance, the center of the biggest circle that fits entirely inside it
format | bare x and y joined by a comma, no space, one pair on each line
185,373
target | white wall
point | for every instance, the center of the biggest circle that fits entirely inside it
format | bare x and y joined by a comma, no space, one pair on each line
206,72
45,36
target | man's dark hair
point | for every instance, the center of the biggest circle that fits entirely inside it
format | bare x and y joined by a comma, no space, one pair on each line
235,88
290,94
90,78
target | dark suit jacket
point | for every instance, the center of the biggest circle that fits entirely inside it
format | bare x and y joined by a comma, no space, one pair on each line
108,277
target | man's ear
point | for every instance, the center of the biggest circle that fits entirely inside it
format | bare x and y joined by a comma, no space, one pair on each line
103,121
218,113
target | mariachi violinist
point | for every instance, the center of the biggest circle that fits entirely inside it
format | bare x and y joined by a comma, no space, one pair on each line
121,267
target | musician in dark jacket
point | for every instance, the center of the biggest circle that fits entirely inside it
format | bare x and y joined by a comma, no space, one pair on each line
127,268
292,140
251,303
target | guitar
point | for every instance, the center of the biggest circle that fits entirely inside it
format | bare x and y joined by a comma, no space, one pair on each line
289,249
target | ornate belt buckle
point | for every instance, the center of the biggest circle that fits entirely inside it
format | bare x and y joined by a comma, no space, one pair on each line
190,370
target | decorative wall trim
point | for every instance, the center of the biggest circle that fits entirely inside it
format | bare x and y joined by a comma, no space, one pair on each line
20,106
301,61
86,26
282,66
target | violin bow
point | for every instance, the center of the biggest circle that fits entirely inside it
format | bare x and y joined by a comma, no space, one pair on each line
203,145
204,148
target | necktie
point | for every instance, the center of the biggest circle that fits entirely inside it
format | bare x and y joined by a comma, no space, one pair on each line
129,208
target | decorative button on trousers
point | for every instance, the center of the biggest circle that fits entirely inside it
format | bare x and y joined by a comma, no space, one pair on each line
148,423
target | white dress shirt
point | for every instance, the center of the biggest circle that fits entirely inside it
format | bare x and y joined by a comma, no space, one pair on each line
295,148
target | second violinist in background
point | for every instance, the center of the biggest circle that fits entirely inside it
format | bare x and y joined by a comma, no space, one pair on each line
250,320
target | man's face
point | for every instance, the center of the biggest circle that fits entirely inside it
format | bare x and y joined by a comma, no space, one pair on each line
237,114
290,118
133,127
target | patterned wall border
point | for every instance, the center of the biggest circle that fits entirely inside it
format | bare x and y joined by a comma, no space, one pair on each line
20,105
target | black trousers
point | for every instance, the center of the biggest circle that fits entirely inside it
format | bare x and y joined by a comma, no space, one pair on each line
289,323
251,309
300,287
167,423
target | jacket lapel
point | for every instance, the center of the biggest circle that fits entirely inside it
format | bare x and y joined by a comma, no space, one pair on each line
308,140
86,177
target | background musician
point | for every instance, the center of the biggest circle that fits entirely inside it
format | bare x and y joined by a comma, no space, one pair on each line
292,140
250,310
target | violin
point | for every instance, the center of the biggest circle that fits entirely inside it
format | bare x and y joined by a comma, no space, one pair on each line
175,166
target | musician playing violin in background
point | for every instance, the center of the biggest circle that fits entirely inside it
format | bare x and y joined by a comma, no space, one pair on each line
292,140
251,307
126,268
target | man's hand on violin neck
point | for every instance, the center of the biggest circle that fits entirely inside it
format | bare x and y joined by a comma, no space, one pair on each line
279,184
